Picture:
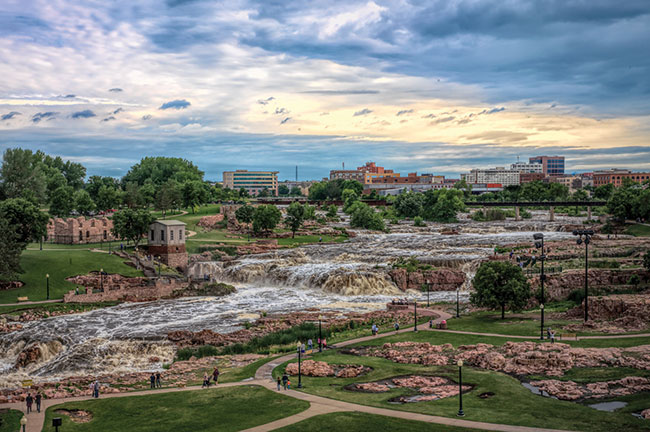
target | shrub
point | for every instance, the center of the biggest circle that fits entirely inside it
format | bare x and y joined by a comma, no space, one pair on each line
577,296
634,280
418,221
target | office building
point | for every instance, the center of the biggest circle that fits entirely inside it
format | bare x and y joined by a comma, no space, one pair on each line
617,176
551,165
498,175
524,167
252,181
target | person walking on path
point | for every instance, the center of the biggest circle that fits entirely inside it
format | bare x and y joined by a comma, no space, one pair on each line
285,380
396,325
310,344
158,376
38,402
374,330
206,380
215,375
553,336
324,343
29,400
152,380
96,389
288,384
279,384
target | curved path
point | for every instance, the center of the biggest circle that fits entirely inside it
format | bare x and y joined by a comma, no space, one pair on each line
318,404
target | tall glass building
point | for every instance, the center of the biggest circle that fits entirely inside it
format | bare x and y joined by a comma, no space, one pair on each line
551,165
252,181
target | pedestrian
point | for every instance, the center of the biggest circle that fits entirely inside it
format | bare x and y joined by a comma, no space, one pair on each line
76,291
396,325
310,344
152,380
495,251
302,348
285,379
548,333
215,375
206,380
29,400
374,330
512,252
430,323
158,384
96,389
320,239
288,384
324,343
553,336
279,383
38,402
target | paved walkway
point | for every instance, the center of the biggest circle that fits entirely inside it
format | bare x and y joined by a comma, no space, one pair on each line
318,404
33,302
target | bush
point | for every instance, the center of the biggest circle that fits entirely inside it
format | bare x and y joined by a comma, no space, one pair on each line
606,264
577,296
492,214
634,280
418,221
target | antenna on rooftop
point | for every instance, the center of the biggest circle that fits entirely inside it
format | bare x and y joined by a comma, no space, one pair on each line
343,165
296,173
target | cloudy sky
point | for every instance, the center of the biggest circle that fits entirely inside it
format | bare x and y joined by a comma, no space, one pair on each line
435,86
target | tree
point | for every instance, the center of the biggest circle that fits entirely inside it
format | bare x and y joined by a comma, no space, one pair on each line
442,205
624,201
363,216
26,219
465,187
147,194
332,211
295,191
409,204
265,218
264,193
96,182
132,196
74,174
604,192
500,284
310,212
10,250
283,190
646,261
168,196
62,201
132,224
349,196
294,218
83,203
21,175
318,191
108,198
160,170
244,214
194,194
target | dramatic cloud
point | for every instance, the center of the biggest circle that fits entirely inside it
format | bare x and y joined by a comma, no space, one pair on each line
492,111
175,104
402,112
115,90
443,120
363,112
109,118
9,115
117,111
43,115
83,114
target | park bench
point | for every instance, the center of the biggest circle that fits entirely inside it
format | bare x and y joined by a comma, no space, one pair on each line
568,336
23,299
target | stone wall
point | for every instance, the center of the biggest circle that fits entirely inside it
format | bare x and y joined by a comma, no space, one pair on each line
160,288
440,280
80,230
559,286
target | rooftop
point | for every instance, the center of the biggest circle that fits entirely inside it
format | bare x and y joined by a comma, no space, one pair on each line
169,222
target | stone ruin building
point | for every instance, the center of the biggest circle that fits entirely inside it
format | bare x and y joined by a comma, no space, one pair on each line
167,241
80,230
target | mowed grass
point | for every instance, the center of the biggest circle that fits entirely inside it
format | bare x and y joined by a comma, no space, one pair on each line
10,420
60,265
516,325
221,409
362,422
511,403
638,230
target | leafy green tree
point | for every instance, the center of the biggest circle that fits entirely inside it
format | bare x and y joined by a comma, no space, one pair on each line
442,205
160,170
132,224
265,218
283,190
295,217
318,191
332,211
62,201
418,221
96,182
350,184
363,216
295,191
580,195
28,222
310,212
349,196
147,194
500,284
10,250
244,214
21,175
243,193
132,196
646,261
194,194
462,185
604,192
168,196
409,204
107,198
74,174
264,193
623,202
83,203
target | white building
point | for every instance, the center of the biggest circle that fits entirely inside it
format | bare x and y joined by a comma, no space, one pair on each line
499,175
526,167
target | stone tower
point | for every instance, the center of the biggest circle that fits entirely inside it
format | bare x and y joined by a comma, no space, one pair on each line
167,241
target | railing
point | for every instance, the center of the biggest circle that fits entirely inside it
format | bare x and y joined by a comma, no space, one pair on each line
538,270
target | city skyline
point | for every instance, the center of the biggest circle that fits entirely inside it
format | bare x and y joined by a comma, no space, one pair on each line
440,88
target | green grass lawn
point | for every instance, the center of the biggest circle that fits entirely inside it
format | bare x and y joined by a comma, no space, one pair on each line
10,420
362,422
60,265
220,409
304,239
590,375
638,230
511,404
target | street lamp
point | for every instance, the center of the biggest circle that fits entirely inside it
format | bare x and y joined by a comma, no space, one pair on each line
101,278
299,369
23,422
539,244
320,334
47,282
415,315
458,302
460,389
585,236
428,285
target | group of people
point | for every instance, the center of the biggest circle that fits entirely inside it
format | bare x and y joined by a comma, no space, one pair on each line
284,382
94,388
399,301
525,260
155,380
214,377
30,400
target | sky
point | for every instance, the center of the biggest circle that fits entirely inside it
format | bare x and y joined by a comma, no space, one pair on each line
435,86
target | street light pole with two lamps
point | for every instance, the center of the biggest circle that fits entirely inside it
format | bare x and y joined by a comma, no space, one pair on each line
584,236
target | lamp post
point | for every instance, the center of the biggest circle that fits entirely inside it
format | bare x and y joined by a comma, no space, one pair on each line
585,236
460,389
299,367
539,244
320,334
415,315
428,284
23,422
47,284
101,278
458,302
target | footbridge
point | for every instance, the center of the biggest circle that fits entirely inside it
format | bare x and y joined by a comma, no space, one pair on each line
549,204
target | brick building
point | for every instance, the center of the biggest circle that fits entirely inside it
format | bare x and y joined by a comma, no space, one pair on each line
80,230
616,177
167,241
551,165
